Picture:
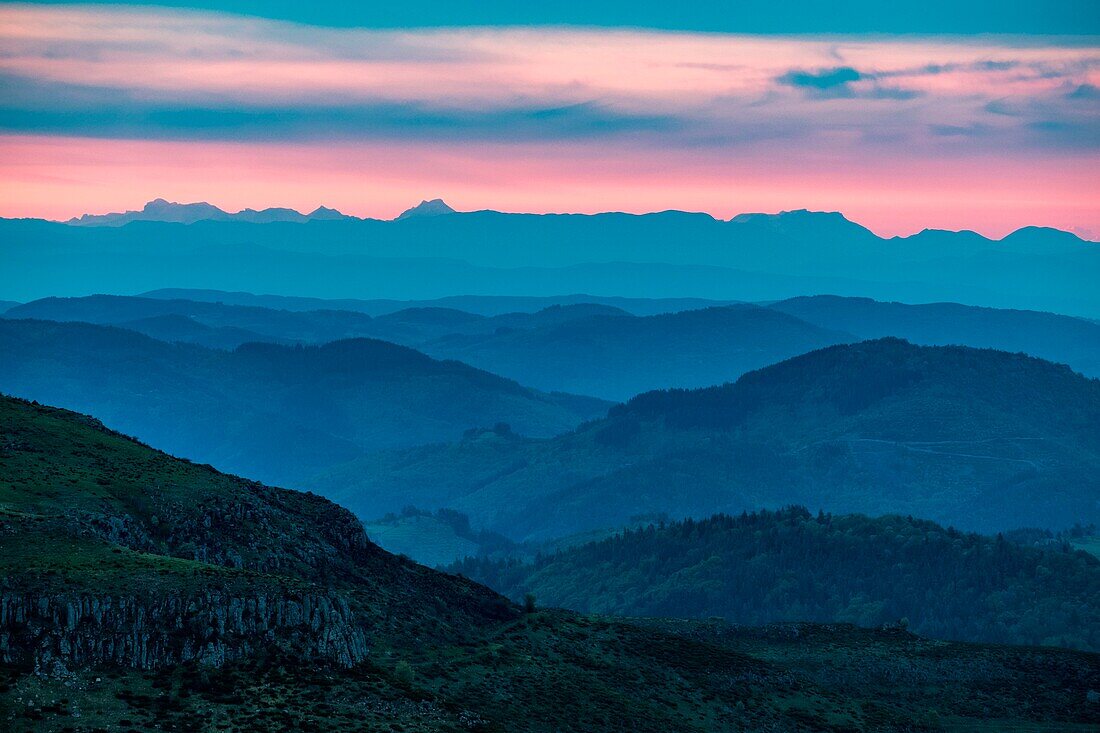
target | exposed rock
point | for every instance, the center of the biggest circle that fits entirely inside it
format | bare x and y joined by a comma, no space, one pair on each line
209,627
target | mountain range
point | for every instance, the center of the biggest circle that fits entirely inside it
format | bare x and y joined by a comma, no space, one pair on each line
139,591
749,258
977,439
213,323
484,305
275,412
159,210
596,348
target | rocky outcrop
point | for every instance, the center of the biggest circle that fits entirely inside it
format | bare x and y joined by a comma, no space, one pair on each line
211,627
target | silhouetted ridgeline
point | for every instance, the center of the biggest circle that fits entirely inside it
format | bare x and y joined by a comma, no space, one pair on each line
667,254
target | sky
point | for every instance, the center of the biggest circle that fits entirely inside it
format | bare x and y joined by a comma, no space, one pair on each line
961,115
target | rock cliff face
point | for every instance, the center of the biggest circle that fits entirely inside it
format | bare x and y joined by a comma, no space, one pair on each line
111,552
146,633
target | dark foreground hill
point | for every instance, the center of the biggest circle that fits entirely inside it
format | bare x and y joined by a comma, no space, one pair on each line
141,592
791,565
265,410
976,439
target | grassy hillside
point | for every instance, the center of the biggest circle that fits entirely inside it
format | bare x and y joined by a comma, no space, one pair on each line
278,413
790,565
977,439
141,592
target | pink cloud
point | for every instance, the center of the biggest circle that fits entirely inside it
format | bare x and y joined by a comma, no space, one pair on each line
914,142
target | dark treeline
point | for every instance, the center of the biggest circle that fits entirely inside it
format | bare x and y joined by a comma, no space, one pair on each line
792,565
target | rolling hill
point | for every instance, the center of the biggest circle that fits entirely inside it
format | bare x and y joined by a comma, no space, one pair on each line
791,565
485,305
977,439
594,348
617,357
276,412
1062,339
166,318
228,325
141,592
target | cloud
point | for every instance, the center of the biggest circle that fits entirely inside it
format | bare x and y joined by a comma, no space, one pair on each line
1089,92
968,131
844,82
823,80
1076,17
669,111
66,109
896,93
1074,134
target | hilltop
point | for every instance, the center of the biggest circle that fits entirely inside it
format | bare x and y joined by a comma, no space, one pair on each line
973,438
1057,338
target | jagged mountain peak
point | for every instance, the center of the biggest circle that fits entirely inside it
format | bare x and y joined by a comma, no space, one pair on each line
433,207
173,212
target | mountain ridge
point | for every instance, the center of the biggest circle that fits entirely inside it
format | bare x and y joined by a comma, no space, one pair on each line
508,254
266,410
163,211
973,438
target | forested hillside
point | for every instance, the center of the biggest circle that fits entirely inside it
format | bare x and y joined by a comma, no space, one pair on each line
790,564
977,439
